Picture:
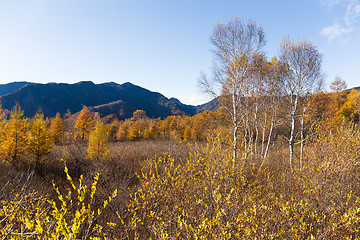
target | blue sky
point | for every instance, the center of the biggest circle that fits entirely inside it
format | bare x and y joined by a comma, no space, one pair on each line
161,45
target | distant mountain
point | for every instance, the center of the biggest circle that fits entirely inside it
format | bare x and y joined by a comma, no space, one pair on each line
209,106
119,109
175,100
188,108
356,88
11,87
119,100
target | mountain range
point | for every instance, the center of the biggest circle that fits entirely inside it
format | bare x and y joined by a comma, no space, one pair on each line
117,100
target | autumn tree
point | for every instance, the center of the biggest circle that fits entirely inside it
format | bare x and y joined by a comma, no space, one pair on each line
139,116
266,102
349,111
2,114
134,132
2,119
235,44
57,128
260,104
303,78
98,145
198,126
68,114
113,129
152,130
124,128
323,110
2,125
187,133
40,139
338,85
84,123
15,141
164,127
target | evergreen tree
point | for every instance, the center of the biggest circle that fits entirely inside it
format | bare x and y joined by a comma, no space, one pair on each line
84,123
57,128
98,146
15,142
40,139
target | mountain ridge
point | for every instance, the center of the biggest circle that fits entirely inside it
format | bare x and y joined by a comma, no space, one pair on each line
109,98
11,87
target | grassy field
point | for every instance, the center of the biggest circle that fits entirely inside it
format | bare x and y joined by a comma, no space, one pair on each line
171,190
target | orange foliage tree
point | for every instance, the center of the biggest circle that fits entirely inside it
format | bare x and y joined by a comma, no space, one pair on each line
84,123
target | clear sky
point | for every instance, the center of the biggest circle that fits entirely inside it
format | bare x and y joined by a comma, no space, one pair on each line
161,45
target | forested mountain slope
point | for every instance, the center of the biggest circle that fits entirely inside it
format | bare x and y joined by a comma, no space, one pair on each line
11,87
107,98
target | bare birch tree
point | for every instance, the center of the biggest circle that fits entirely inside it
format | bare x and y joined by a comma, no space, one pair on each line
303,65
274,71
235,44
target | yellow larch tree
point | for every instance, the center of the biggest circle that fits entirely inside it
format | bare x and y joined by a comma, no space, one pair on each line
57,128
198,127
113,128
349,111
15,142
338,85
152,130
40,139
147,134
164,127
139,116
84,123
187,134
2,124
2,114
124,128
134,132
98,145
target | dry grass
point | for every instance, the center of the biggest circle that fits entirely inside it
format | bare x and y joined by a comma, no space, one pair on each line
182,191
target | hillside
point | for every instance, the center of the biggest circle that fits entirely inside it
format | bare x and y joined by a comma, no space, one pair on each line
120,100
11,87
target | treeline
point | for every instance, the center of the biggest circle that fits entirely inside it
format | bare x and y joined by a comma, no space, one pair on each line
19,136
36,136
173,127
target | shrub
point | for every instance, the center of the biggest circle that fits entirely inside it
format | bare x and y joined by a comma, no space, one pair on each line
72,216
